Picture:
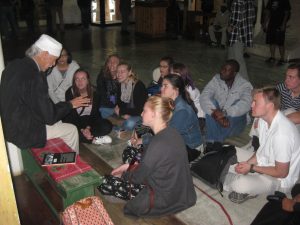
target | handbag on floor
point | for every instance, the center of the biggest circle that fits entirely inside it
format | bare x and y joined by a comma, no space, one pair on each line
86,211
213,167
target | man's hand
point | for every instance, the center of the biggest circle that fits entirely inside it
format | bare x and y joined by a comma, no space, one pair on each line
219,116
81,101
242,168
288,204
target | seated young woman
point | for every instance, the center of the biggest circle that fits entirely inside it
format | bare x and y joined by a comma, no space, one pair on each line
184,118
108,86
60,78
161,181
194,93
131,98
165,66
91,127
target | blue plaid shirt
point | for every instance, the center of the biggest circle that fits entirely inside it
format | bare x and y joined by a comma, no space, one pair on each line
242,20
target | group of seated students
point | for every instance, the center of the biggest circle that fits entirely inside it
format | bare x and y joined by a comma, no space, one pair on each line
177,115
158,181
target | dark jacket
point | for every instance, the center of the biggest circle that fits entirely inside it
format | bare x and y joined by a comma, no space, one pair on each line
99,126
164,167
108,90
138,98
25,105
83,121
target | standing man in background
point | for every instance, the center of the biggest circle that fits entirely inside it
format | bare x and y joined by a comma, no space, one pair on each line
240,31
85,9
125,9
277,14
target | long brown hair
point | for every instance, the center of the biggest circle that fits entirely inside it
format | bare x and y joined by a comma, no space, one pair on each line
89,87
106,72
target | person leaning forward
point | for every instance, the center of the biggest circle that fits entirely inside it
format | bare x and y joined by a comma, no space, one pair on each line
28,114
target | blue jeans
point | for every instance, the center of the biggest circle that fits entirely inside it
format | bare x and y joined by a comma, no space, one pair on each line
131,122
216,133
106,112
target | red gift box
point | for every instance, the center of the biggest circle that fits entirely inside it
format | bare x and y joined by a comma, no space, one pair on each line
60,172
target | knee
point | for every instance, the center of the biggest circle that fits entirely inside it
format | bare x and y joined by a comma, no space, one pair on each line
242,185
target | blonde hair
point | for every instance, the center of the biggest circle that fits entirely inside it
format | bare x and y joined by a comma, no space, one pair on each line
129,68
163,105
270,94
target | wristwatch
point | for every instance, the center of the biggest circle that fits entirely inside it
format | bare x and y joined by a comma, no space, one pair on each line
251,168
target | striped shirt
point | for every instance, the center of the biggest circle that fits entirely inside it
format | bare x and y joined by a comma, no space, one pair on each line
242,19
287,100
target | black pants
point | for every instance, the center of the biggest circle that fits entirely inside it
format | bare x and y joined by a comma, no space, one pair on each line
99,128
273,214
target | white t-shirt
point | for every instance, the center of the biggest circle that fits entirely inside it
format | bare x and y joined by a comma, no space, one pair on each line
279,143
195,97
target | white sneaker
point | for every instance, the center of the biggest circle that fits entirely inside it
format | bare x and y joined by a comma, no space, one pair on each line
102,140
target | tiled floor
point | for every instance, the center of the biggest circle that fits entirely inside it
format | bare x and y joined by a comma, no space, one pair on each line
90,48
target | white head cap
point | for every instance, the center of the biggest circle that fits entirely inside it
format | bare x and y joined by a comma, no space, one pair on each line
49,44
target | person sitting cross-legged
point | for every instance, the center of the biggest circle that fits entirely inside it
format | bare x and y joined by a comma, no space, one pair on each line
226,100
159,182
91,127
131,98
275,166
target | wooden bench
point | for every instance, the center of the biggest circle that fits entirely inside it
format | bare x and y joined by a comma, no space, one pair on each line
59,194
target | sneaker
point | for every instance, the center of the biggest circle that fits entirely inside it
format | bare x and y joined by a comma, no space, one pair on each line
102,140
239,197
270,60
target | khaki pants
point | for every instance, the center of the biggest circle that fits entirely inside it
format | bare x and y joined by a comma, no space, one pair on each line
252,184
67,132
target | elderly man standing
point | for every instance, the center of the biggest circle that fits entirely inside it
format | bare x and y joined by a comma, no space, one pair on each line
29,116
240,31
226,100
275,166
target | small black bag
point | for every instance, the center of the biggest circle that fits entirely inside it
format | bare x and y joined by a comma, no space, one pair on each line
213,167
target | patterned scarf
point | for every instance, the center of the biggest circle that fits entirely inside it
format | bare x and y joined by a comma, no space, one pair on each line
126,91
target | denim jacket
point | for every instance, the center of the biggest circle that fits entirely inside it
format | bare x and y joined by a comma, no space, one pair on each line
185,121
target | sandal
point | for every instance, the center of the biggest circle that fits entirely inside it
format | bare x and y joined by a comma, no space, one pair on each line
239,197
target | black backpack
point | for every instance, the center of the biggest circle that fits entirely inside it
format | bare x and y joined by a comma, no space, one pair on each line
213,166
